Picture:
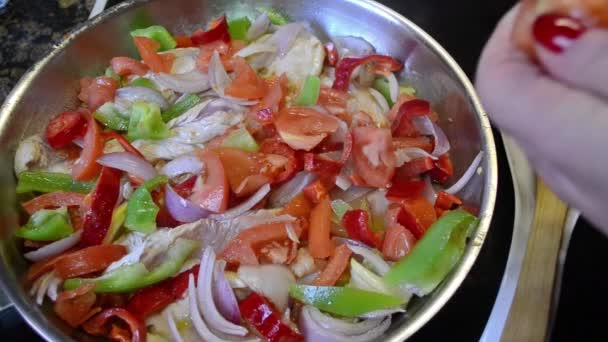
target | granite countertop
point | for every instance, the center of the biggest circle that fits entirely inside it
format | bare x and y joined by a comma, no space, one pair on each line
29,27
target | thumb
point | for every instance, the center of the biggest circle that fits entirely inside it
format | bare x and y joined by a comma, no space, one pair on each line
572,54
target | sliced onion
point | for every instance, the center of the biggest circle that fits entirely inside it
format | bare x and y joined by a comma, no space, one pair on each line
286,192
130,163
285,36
425,126
195,315
181,209
291,233
256,48
172,326
393,85
343,182
429,192
259,26
223,294
79,142
318,327
206,303
245,206
350,46
406,154
378,202
218,77
353,193
203,110
54,287
272,281
126,189
54,248
309,278
466,177
191,82
378,264
43,287
145,94
381,313
380,99
181,165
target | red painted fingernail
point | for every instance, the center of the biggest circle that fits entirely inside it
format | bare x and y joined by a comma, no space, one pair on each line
556,32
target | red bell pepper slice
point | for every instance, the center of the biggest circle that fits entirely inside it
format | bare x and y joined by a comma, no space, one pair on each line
346,66
88,260
443,169
100,204
415,168
356,223
98,325
64,128
218,31
164,218
126,145
402,188
155,298
447,201
417,216
331,53
53,200
261,315
402,125
86,167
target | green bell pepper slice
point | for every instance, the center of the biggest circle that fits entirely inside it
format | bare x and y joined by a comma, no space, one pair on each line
159,34
343,301
135,276
309,95
42,181
238,28
275,16
141,209
118,219
434,256
381,85
242,139
47,225
142,82
180,107
339,207
146,122
109,116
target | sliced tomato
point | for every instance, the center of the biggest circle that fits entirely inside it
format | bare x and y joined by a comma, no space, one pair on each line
443,169
88,260
320,244
418,215
246,84
268,107
337,264
293,165
53,200
40,268
76,306
447,201
64,128
315,191
99,324
218,30
298,207
97,91
86,167
320,165
398,242
147,50
183,41
124,66
303,128
213,193
331,98
421,142
373,155
246,172
99,206
126,145
241,250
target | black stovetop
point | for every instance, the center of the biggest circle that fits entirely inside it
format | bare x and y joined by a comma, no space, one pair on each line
28,28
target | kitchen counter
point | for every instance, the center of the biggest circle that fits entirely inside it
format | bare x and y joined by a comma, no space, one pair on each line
29,28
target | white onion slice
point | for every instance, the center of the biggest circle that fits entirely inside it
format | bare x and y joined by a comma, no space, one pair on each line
286,192
429,192
252,49
381,313
181,209
309,278
206,303
393,86
272,281
54,248
145,94
285,36
466,177
343,182
224,295
199,325
425,126
54,287
378,264
380,99
218,77
259,26
172,326
353,193
43,287
350,46
245,206
407,154
318,327
291,233
181,165
130,163
191,82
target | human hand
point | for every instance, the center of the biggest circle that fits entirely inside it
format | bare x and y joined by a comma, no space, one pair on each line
557,108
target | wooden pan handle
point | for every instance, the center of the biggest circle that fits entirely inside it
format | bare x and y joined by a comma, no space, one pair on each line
529,316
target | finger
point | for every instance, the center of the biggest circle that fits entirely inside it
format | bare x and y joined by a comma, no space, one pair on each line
571,55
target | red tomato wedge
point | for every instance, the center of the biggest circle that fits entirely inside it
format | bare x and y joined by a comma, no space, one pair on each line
147,50
298,207
97,91
246,84
77,306
336,266
213,193
329,97
320,244
303,128
99,205
98,325
124,66
218,30
246,172
86,167
293,165
53,200
398,242
241,250
268,107
66,127
373,155
88,260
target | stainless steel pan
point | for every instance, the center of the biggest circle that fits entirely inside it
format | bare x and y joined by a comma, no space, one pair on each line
51,87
